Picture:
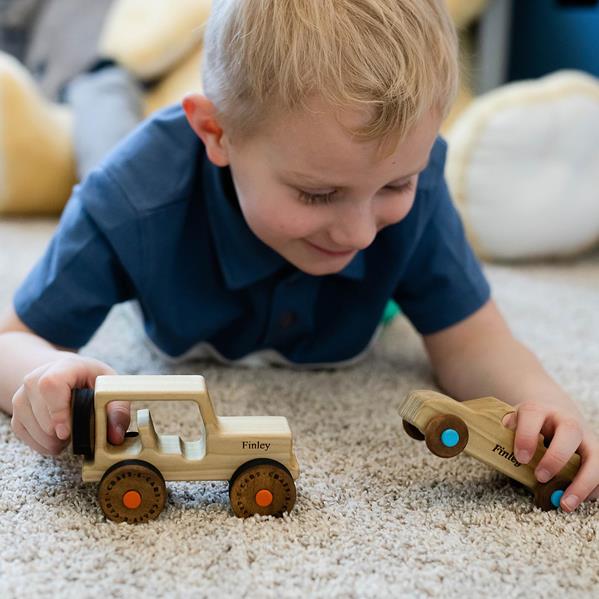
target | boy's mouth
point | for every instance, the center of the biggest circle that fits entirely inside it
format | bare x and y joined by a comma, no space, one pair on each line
329,252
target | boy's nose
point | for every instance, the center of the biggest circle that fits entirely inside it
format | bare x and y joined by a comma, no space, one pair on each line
355,228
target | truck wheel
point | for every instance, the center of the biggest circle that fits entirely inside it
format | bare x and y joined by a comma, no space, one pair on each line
262,487
549,494
412,431
132,491
83,423
446,435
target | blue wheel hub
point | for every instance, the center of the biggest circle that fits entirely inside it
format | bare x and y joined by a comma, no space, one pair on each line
556,497
450,437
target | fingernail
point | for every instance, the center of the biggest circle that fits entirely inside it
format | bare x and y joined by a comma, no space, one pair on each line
62,432
571,502
523,456
543,475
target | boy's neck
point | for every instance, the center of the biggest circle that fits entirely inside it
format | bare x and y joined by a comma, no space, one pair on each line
228,187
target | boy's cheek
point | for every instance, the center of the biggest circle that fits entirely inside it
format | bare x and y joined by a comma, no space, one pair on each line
288,225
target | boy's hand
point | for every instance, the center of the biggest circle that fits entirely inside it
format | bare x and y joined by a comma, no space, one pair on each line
562,421
42,405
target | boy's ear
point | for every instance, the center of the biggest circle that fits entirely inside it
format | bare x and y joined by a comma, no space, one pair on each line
201,115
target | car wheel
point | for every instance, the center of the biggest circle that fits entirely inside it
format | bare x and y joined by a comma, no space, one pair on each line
413,431
262,487
83,423
446,435
132,491
549,494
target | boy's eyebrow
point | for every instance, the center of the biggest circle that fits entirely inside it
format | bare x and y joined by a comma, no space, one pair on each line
315,180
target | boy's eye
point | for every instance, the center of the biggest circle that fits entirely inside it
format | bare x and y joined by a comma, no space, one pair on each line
326,198
315,198
404,188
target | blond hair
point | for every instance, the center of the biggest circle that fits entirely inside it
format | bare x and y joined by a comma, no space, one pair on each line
395,58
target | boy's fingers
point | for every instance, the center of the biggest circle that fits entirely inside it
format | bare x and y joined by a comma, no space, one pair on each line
585,482
530,421
53,390
565,442
26,428
119,416
509,420
23,434
38,405
57,382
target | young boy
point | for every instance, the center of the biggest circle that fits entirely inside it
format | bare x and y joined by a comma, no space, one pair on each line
278,213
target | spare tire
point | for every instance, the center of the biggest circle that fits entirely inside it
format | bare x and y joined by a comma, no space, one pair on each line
83,422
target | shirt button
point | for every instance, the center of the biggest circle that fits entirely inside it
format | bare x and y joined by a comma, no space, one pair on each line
287,319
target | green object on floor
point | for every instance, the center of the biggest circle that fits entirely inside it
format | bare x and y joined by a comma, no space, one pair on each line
390,312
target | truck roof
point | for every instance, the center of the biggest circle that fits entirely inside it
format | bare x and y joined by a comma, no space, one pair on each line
148,387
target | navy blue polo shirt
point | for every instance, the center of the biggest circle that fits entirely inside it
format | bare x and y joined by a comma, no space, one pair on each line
158,223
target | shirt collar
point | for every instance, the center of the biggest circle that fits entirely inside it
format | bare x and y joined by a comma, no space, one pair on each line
243,258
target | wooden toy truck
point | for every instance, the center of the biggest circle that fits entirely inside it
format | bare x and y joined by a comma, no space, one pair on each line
255,453
476,427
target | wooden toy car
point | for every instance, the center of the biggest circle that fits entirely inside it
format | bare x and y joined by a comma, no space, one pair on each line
255,453
476,427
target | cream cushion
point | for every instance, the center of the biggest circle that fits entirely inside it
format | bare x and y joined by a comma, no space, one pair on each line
523,167
37,167
150,37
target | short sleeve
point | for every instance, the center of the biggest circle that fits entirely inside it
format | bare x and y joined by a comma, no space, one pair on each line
83,272
443,282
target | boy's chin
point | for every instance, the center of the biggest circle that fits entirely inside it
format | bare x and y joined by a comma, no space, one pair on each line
320,268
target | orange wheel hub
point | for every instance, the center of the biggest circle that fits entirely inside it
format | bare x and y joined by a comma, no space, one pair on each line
132,500
264,498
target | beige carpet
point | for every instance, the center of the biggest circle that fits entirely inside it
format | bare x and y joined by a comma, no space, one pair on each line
377,515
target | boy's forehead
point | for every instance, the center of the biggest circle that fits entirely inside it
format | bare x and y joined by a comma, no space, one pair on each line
312,145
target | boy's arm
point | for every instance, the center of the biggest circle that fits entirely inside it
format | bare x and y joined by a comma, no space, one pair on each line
35,382
21,351
479,356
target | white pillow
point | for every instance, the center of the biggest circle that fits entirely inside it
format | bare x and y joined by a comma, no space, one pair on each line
523,167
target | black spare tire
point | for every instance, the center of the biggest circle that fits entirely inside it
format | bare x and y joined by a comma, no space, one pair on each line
83,422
